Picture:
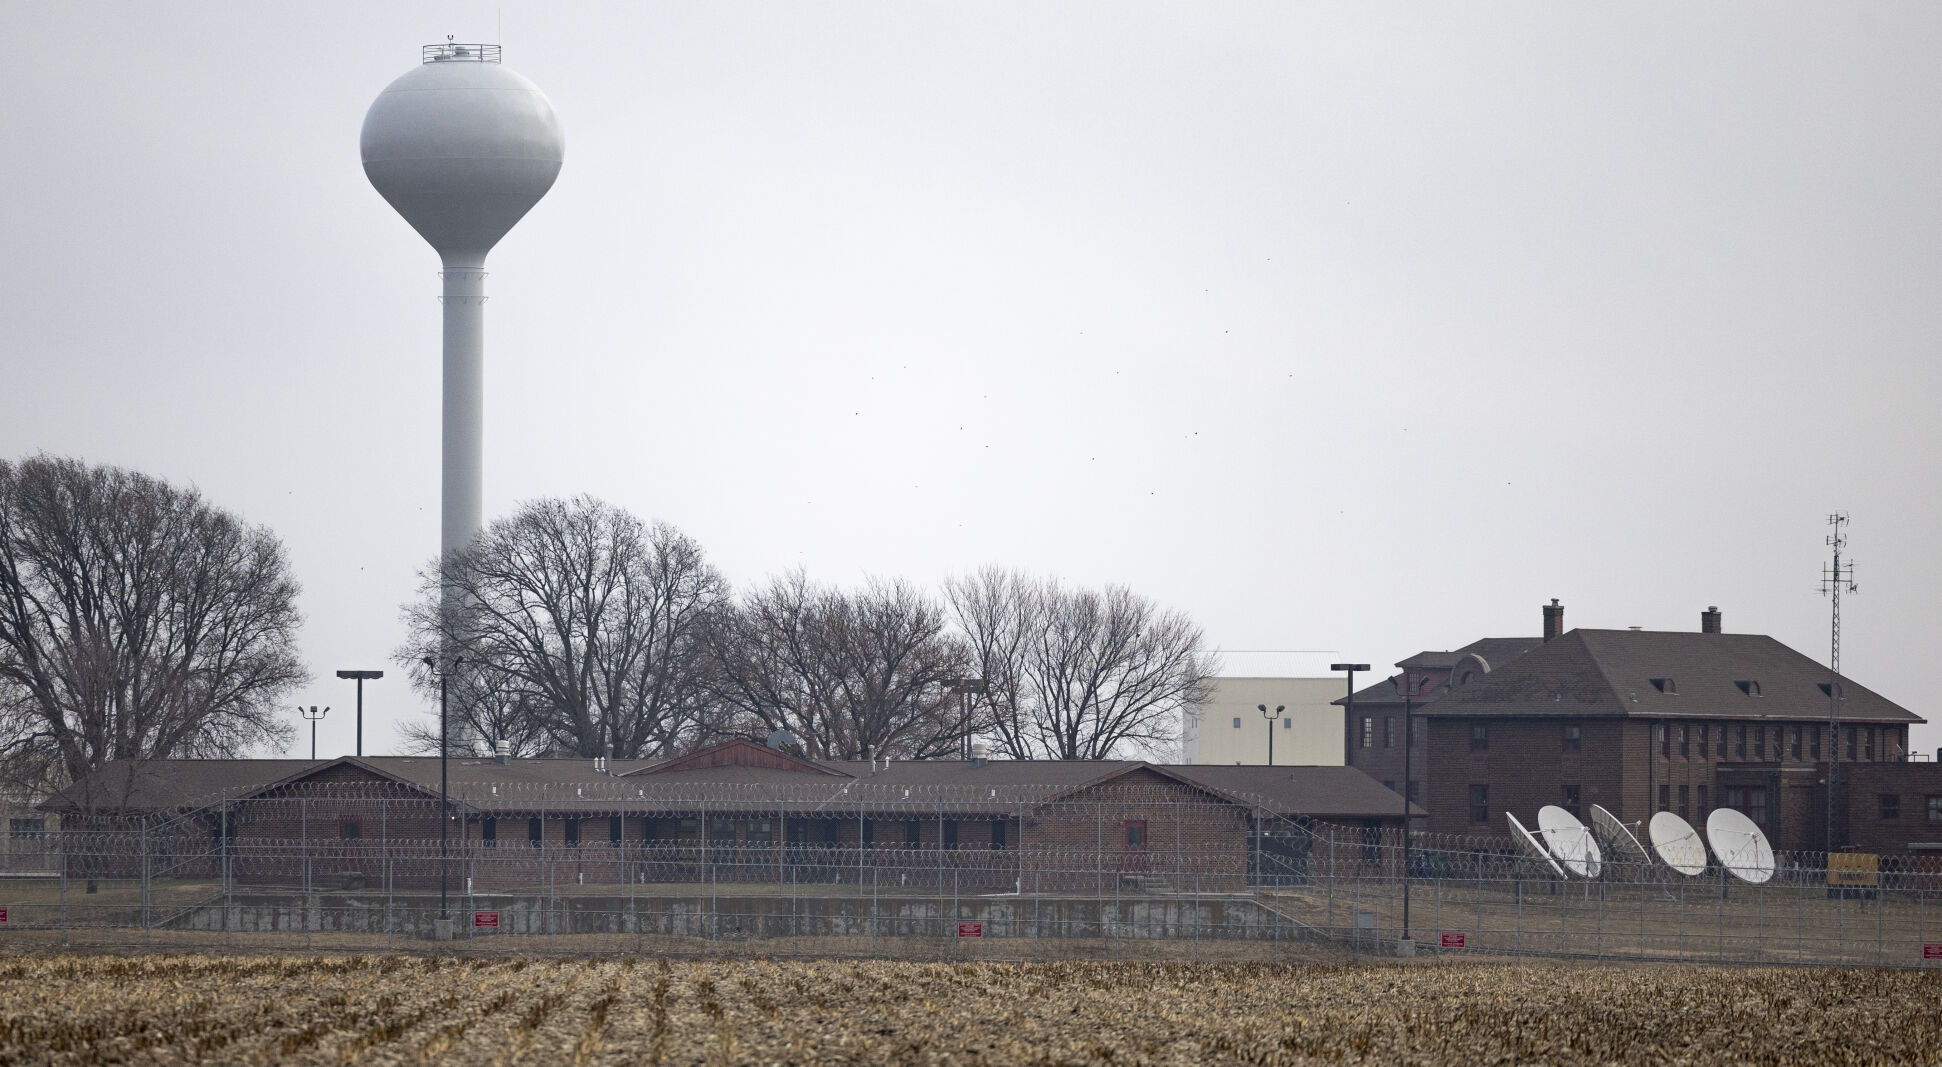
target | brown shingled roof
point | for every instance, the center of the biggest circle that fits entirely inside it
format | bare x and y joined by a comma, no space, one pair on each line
1610,672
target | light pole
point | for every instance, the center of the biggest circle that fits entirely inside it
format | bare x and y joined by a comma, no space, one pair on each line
1409,693
361,676
1348,745
444,801
1271,716
963,688
313,717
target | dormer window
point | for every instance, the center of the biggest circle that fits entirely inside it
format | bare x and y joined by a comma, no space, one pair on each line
1750,688
1665,685
1836,692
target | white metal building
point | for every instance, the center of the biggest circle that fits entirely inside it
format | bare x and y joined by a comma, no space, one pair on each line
1230,728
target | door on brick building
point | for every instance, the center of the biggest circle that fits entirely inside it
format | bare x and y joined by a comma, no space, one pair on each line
1134,858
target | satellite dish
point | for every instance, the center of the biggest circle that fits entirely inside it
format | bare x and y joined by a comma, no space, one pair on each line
1674,839
1741,846
1530,846
1618,837
1569,841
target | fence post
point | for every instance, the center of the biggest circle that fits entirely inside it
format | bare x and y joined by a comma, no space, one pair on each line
224,830
384,863
303,838
145,876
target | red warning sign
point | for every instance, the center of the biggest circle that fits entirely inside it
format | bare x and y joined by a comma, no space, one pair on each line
1452,939
485,920
1929,952
970,929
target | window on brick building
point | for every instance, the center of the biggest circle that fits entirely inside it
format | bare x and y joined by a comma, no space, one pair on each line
1480,803
1479,737
997,834
1684,797
1793,742
1415,791
1705,735
1759,742
615,826
1574,738
913,834
1685,741
1705,806
1665,798
1389,731
1368,731
535,832
1739,742
1872,731
1570,799
1814,744
1752,800
351,829
1852,732
869,833
1663,738
570,831
1237,722
1935,809
1891,805
1136,833
950,835
489,832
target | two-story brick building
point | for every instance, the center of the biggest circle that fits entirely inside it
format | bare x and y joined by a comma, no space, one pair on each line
1646,721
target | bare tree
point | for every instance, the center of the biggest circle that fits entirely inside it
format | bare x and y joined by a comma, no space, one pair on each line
1079,674
852,675
137,621
580,627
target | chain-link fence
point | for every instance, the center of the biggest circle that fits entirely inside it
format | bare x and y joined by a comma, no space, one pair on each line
921,873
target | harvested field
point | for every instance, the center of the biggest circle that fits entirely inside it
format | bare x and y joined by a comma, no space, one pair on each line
396,1009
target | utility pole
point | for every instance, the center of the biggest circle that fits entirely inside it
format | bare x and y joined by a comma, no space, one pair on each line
1836,579
444,930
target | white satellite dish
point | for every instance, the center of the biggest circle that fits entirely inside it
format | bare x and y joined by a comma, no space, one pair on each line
1740,844
1569,841
1677,843
1617,835
1530,846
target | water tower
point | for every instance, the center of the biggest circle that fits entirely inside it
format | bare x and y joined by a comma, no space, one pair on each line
462,148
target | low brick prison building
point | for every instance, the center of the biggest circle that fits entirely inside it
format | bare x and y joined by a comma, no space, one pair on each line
736,812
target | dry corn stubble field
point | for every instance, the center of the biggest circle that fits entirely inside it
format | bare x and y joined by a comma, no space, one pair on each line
393,1009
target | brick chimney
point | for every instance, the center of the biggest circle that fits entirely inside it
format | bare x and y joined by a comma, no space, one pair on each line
1553,619
1709,620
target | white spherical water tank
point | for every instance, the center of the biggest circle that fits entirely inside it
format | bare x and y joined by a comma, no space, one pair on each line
462,148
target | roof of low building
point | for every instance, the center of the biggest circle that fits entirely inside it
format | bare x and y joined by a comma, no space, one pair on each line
735,774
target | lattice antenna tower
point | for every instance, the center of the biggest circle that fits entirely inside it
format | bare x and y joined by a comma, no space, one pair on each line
1836,578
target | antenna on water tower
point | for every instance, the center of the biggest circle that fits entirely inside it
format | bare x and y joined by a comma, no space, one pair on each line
462,148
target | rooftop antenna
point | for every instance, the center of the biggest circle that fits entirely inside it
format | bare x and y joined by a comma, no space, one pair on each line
1836,579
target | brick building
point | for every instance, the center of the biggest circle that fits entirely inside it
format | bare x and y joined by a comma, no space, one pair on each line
1642,721
737,811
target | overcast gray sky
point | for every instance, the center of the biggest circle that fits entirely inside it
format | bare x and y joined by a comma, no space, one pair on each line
1365,328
